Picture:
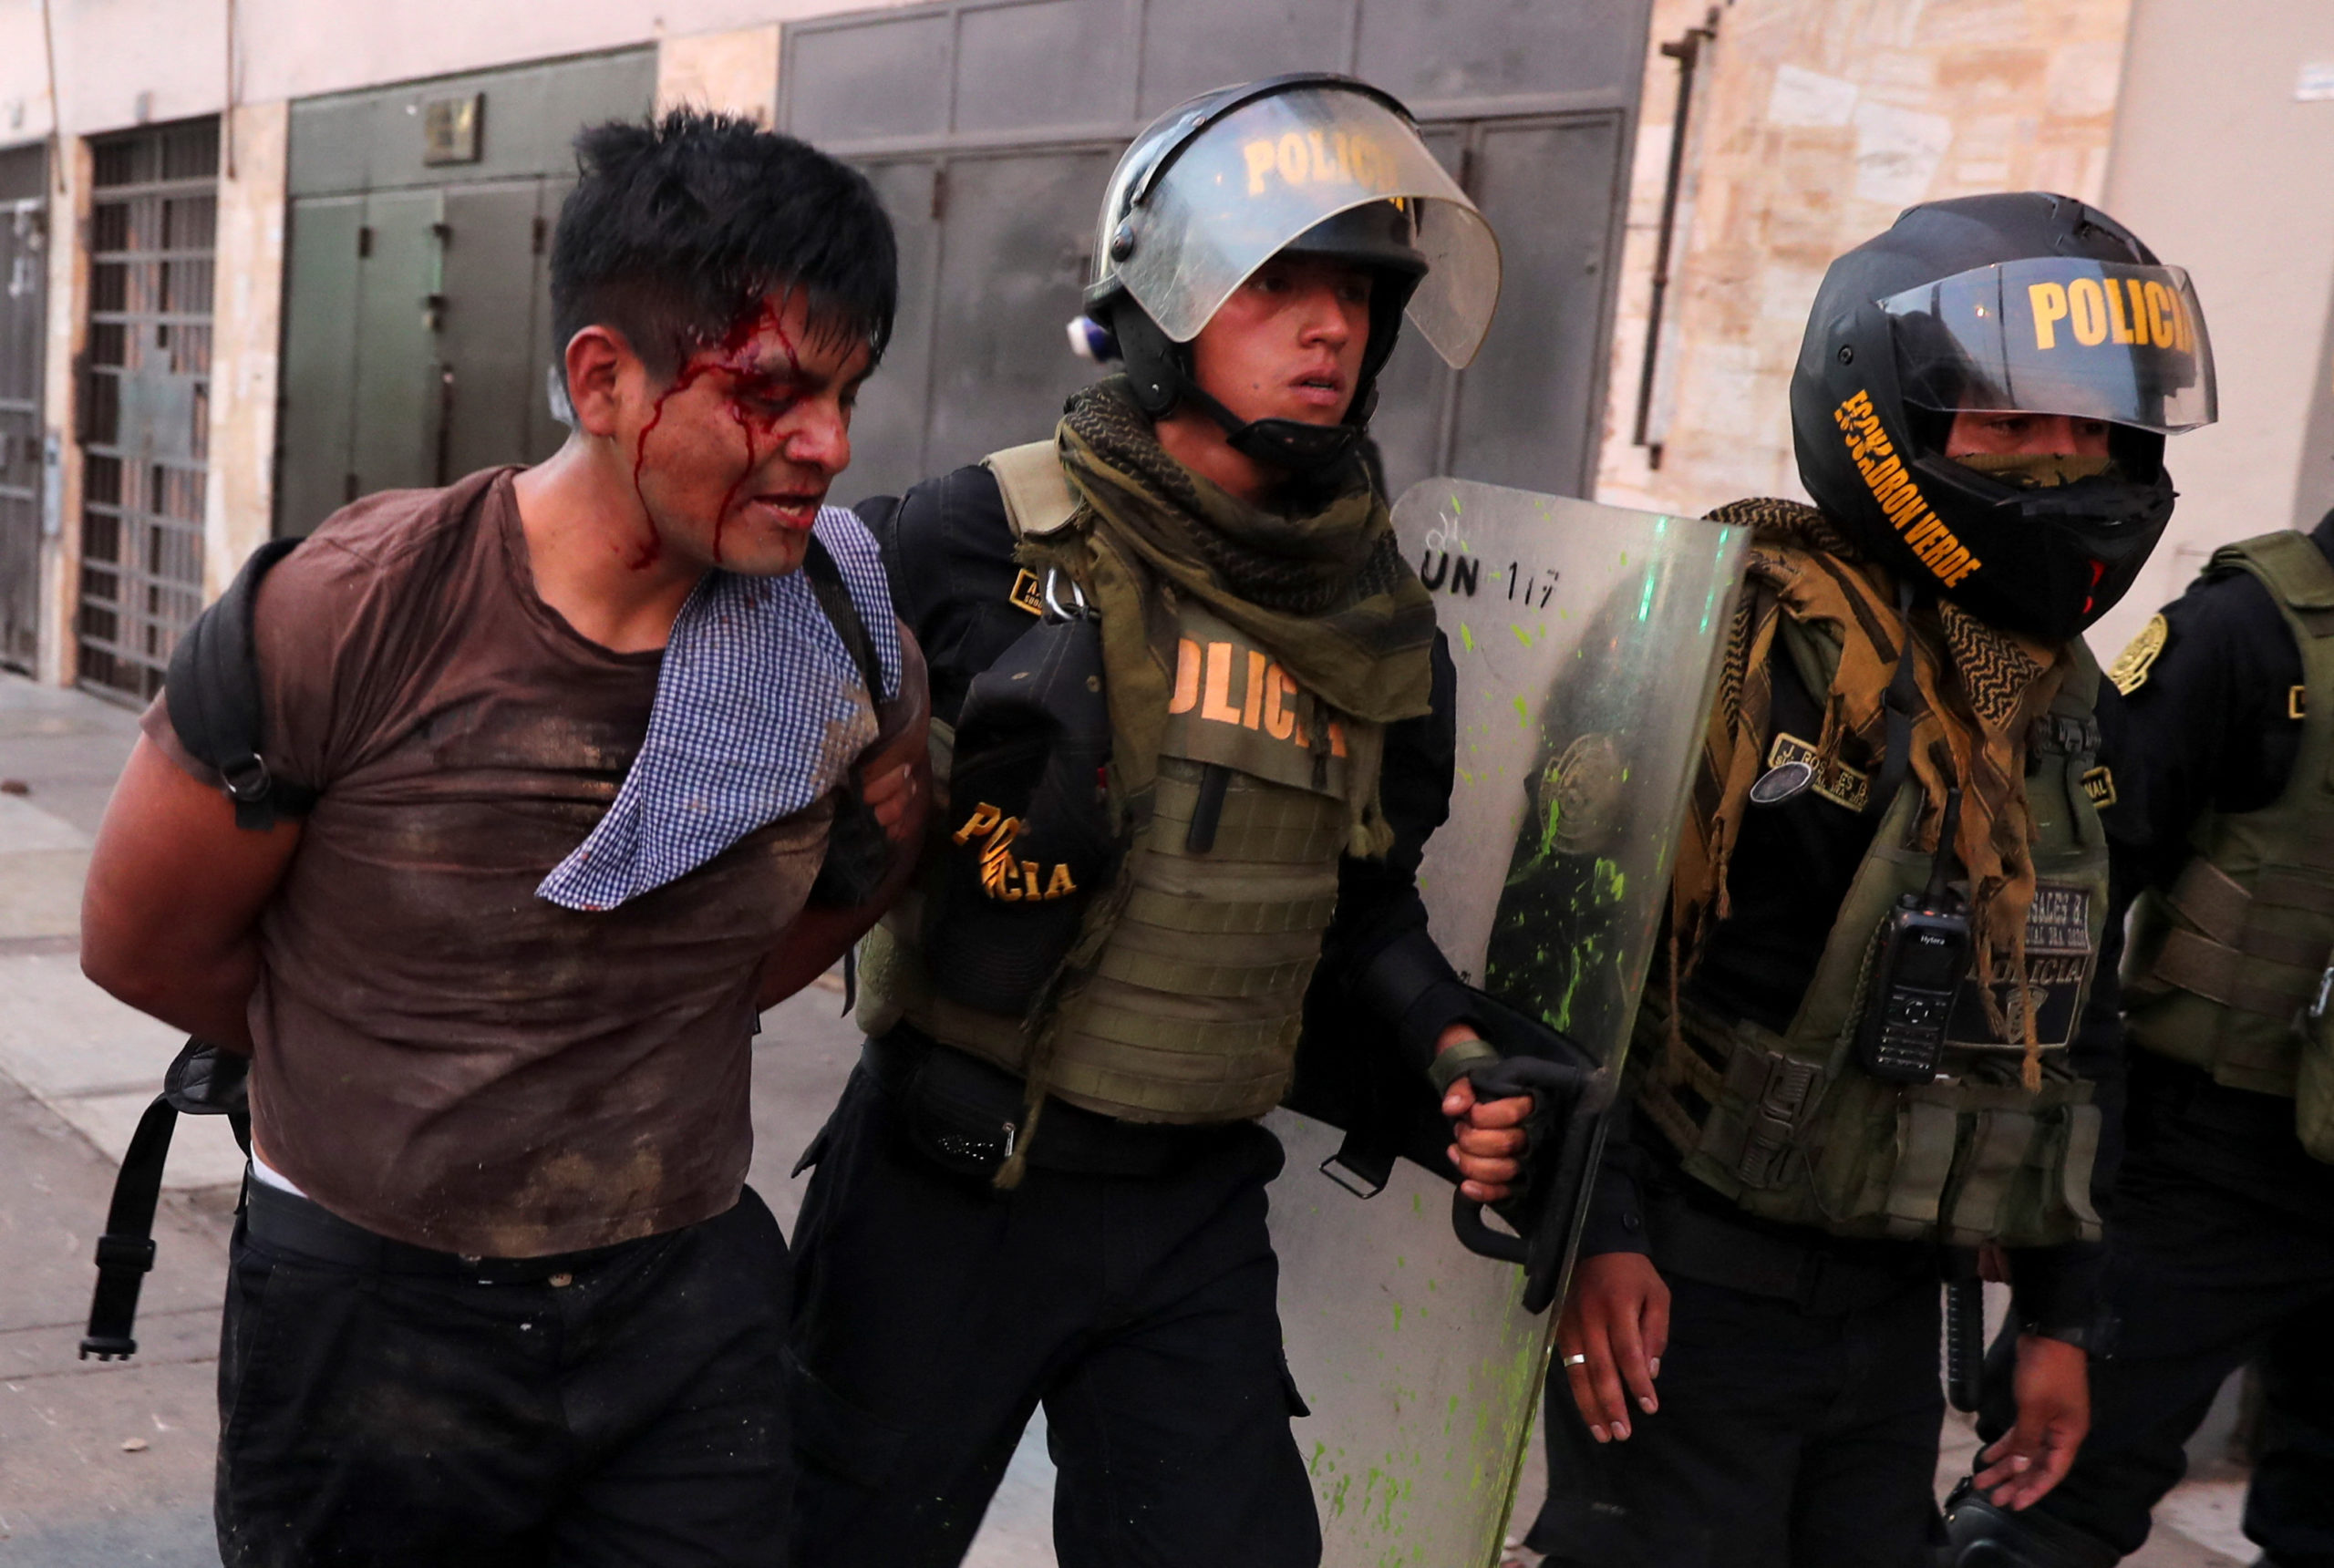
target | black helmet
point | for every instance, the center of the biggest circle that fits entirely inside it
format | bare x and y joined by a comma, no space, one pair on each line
2022,301
1307,164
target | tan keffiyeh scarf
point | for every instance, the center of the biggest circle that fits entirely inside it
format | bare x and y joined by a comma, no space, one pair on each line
1979,689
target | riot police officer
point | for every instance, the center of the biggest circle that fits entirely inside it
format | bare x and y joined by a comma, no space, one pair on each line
2220,1247
1890,989
1198,726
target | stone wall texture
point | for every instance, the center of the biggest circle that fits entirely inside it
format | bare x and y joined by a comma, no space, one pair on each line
1813,123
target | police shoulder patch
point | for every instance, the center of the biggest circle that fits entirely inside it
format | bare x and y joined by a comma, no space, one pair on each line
2130,671
1025,595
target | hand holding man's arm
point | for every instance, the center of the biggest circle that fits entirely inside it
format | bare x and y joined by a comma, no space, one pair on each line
895,778
170,909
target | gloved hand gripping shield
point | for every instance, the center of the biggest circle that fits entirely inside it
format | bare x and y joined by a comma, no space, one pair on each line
1588,640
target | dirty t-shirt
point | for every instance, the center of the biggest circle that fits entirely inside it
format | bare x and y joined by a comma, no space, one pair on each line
442,1057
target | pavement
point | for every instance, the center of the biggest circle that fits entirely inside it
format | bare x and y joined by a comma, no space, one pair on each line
105,1466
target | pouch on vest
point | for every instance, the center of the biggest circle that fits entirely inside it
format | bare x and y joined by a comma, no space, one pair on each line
2226,968
1791,1127
1025,840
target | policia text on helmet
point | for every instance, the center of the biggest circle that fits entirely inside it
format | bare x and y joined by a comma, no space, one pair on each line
1982,398
1309,177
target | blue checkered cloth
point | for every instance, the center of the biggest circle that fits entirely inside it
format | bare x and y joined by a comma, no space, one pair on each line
759,711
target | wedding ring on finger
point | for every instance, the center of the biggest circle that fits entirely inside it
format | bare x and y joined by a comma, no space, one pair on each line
1576,1360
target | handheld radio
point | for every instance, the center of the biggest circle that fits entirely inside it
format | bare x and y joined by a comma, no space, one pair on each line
1924,952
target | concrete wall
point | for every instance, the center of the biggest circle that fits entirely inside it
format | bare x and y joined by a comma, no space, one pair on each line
736,71
1814,122
68,294
247,334
2227,171
169,58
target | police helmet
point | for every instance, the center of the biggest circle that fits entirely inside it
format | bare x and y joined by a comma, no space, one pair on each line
2023,302
1307,164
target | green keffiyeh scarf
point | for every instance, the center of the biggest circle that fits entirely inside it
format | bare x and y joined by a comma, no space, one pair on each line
1321,586
1319,583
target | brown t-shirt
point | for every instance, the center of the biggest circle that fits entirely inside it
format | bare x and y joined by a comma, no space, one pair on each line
442,1057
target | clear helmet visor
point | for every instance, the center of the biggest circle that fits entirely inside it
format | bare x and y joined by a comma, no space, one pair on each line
2091,340
1249,185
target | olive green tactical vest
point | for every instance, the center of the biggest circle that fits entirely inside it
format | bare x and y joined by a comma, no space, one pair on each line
1790,1129
1195,1010
2224,963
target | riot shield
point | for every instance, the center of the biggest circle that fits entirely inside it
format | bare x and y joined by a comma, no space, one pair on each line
1588,641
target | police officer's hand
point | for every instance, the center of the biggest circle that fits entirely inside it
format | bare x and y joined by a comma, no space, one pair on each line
1488,1135
2052,1386
892,795
1614,1326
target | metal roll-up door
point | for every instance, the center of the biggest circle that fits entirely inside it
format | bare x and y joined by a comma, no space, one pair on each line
23,291
145,401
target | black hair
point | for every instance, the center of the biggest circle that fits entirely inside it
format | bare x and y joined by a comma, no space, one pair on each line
678,228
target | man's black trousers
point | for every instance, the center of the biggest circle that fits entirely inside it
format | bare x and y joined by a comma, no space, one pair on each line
1792,1433
383,1405
2220,1251
934,1314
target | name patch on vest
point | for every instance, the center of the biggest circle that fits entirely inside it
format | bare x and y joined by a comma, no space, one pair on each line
1235,706
1838,783
2057,963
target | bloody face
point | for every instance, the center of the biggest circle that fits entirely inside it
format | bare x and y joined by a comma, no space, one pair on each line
1288,342
732,458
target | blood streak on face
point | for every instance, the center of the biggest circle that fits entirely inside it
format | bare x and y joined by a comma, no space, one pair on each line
651,547
775,393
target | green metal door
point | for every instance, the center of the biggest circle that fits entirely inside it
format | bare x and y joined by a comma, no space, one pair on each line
314,469
493,354
398,399
416,332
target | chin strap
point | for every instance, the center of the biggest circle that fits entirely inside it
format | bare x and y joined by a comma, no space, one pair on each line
1160,381
1290,444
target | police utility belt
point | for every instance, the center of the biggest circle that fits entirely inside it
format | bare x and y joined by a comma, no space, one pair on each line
963,1115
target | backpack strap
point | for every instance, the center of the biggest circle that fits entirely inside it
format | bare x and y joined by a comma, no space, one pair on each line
1038,498
859,853
203,1082
213,691
834,597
